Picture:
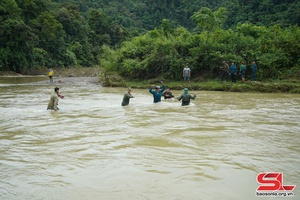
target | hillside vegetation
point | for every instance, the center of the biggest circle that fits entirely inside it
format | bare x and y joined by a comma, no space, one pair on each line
143,38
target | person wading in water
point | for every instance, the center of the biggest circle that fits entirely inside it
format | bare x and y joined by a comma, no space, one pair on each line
186,97
127,97
157,93
53,102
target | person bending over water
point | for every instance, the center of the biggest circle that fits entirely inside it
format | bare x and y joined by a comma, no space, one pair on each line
186,97
157,93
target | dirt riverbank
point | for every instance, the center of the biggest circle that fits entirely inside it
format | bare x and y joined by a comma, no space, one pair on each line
70,81
62,76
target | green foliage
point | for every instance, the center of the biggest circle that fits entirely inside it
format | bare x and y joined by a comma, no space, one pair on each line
9,9
164,53
208,20
271,87
154,54
147,39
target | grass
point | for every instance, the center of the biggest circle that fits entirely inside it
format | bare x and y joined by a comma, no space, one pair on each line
110,79
284,86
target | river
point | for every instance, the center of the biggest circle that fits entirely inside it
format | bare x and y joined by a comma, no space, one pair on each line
93,148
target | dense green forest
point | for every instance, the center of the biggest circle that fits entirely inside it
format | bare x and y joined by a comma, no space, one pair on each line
146,38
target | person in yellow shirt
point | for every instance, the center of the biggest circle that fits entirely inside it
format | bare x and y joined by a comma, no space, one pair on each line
50,75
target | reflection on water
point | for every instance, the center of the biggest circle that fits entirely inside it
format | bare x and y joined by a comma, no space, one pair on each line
95,149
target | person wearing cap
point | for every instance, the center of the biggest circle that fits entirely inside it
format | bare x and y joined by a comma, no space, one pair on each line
157,93
186,97
53,102
127,97
167,94
225,71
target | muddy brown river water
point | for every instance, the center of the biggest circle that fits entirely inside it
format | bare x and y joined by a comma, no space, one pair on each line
93,148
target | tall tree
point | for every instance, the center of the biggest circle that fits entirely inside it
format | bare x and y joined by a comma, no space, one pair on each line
206,19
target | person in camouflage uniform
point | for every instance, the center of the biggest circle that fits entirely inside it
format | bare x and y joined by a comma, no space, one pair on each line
127,97
186,97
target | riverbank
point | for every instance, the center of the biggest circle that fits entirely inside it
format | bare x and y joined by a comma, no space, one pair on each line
62,76
70,81
264,87
94,75
271,86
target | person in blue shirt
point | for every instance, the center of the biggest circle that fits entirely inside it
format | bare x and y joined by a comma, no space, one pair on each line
254,70
157,92
233,71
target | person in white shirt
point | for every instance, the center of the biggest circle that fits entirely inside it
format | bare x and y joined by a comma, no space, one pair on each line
186,73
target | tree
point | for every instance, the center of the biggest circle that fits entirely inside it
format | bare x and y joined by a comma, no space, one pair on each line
76,30
16,38
208,20
51,39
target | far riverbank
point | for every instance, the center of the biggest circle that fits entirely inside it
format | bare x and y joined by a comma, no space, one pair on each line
94,75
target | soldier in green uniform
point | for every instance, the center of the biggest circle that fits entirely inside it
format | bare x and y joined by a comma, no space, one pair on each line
186,97
127,97
243,70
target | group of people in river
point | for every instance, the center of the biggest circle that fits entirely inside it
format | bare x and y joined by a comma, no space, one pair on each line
232,71
159,92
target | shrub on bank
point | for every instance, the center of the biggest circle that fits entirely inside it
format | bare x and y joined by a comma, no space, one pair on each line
269,87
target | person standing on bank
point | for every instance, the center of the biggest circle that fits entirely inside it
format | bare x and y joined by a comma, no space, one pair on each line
225,71
243,70
186,73
50,75
53,102
254,70
127,97
233,71
157,93
186,97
